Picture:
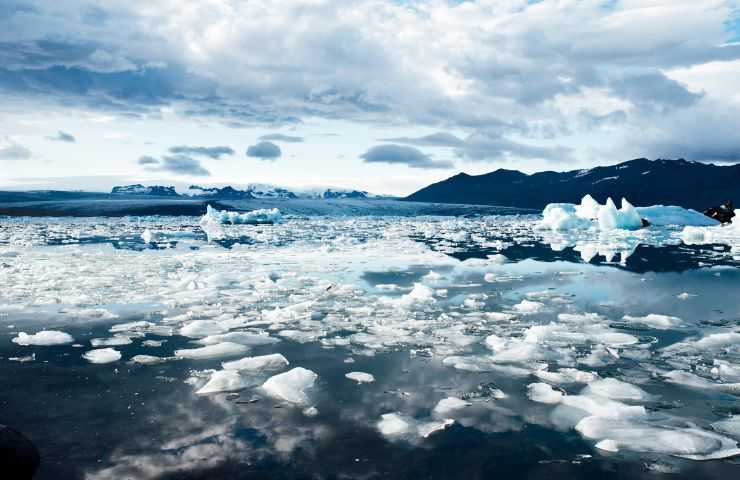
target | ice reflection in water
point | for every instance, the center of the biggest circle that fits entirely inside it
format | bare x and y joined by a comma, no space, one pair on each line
634,356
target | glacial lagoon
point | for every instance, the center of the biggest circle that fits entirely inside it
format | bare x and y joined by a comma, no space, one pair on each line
370,347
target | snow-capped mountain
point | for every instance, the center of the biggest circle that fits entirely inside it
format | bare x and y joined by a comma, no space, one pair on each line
138,189
250,191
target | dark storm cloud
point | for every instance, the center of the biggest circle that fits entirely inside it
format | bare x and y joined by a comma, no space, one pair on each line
403,155
62,137
264,151
210,152
279,137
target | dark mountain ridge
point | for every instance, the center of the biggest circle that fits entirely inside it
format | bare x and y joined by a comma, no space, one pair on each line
643,182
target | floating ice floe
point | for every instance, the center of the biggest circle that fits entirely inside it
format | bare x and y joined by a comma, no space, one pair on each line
113,341
568,216
253,364
656,321
202,328
543,393
448,405
223,381
218,350
43,338
724,234
394,425
291,385
102,355
147,359
360,377
243,338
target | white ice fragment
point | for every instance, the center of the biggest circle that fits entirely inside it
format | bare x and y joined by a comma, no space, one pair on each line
625,218
102,355
392,424
243,338
543,393
113,341
263,362
290,385
360,377
729,426
428,428
224,349
656,321
223,381
608,445
44,337
566,375
449,404
615,390
147,359
311,411
202,328
527,307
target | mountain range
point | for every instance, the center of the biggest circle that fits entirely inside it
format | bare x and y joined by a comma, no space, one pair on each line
643,182
252,191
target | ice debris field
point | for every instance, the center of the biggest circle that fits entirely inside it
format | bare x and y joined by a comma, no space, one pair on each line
558,321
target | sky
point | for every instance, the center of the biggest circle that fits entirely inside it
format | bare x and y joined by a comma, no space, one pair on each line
380,95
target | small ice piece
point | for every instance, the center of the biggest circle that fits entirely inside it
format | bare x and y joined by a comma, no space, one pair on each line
527,307
729,426
450,404
499,316
432,277
607,445
113,341
684,296
428,428
311,411
148,236
223,381
392,424
202,328
290,385
615,390
563,216
152,343
656,321
147,359
43,338
254,364
102,355
360,377
543,393
420,294
566,375
224,349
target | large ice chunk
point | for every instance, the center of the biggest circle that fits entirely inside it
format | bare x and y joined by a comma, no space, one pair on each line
44,337
290,386
102,355
224,349
263,362
223,381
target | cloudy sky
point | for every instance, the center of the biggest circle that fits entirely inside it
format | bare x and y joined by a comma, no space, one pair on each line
383,95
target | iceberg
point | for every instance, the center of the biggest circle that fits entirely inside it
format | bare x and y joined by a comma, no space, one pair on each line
590,214
255,217
44,337
290,386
